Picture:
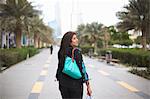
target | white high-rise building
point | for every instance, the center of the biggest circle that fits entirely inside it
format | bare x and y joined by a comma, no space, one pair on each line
57,17
70,15
76,15
67,16
56,23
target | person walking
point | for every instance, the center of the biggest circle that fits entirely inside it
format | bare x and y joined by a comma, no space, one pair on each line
71,88
51,49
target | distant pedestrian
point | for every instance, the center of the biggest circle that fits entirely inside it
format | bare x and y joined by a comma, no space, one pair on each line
5,46
51,49
69,87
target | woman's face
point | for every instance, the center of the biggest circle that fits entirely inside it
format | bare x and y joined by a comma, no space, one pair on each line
74,41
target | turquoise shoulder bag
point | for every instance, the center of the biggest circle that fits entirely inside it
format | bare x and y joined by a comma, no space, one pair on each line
71,68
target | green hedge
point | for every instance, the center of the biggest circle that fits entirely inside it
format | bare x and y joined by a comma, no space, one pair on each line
133,57
143,73
85,49
9,57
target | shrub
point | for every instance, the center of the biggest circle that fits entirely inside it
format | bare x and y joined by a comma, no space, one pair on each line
85,49
143,73
133,57
9,57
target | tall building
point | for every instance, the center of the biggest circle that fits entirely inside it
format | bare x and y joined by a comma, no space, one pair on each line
67,17
56,23
58,19
76,15
70,15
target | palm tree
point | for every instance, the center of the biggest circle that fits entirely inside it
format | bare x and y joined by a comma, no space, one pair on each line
6,25
94,29
105,36
40,31
27,29
35,27
80,31
136,16
17,9
90,34
46,34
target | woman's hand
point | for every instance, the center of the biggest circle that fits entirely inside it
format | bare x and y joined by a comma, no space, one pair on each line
89,91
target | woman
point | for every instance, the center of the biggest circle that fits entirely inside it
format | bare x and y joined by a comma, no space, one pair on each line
69,87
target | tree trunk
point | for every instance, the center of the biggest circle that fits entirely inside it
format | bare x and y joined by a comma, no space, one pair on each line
144,42
2,33
43,44
35,40
94,43
18,33
18,38
143,39
95,48
39,43
28,40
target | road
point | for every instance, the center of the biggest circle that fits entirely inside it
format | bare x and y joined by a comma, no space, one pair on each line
34,78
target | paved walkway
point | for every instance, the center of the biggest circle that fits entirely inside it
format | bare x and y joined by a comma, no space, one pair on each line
35,79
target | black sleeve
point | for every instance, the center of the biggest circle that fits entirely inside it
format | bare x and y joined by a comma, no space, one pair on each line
60,67
79,60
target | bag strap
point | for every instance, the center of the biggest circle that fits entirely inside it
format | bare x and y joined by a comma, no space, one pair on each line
73,54
83,72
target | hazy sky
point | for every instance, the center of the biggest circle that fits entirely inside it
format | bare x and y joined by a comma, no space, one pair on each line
86,11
